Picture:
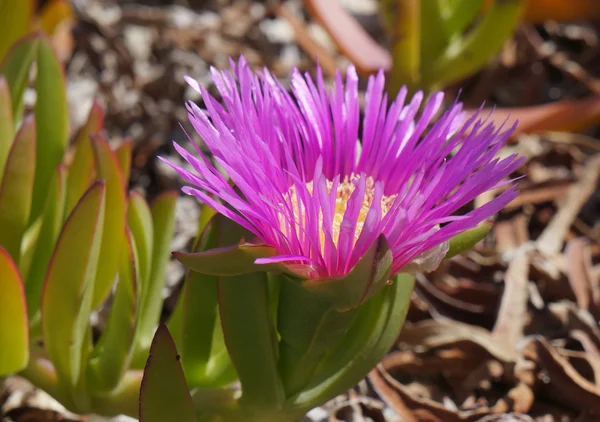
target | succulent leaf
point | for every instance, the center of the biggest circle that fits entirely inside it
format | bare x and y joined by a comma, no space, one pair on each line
16,188
14,328
69,286
164,394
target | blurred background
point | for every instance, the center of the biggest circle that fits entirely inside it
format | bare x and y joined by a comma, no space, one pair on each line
508,331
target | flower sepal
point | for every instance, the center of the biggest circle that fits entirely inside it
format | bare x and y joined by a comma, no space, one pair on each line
467,239
236,259
226,252
368,276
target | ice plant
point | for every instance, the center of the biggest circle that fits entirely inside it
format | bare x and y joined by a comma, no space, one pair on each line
301,280
320,185
69,234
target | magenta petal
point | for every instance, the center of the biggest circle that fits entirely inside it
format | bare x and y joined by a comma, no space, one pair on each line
305,186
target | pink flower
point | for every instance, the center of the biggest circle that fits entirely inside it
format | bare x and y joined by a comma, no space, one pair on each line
320,183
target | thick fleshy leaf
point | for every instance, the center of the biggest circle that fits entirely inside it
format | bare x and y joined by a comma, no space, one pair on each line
14,328
107,169
163,221
350,37
15,67
246,318
51,225
460,15
435,39
233,256
16,20
81,169
467,239
6,124
231,260
374,331
139,220
69,286
111,356
197,312
52,120
467,54
369,275
308,327
16,188
164,395
123,153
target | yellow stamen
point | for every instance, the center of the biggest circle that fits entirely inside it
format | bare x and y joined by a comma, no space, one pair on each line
343,193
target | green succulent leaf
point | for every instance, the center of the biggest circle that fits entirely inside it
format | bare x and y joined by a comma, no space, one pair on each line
163,221
467,239
107,169
69,286
14,328
6,124
16,19
139,220
164,394
374,331
197,313
111,356
16,188
123,153
15,67
81,169
52,120
308,327
246,318
467,54
460,15
228,260
51,224
367,277
233,256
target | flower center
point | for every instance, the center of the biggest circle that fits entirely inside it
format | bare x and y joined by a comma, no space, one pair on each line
343,194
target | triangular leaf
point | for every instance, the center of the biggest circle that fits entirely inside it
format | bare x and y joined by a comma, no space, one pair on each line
164,395
69,285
